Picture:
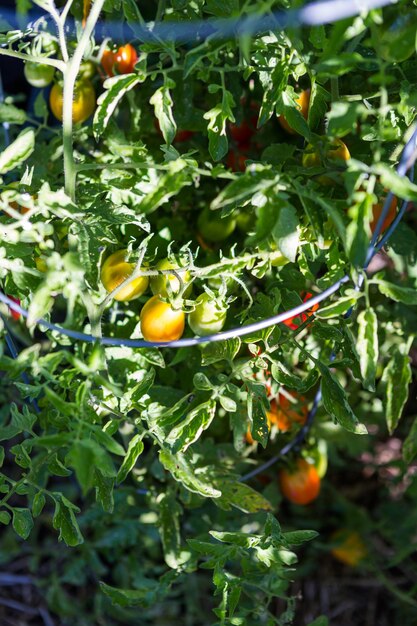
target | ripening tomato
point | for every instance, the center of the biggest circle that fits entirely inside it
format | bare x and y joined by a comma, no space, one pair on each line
295,322
15,314
349,548
284,412
38,74
120,61
83,104
208,317
160,322
242,133
376,212
215,228
300,485
115,270
303,103
159,283
332,151
236,161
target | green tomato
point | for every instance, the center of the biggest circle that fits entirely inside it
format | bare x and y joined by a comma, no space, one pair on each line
159,283
214,228
246,221
208,317
38,74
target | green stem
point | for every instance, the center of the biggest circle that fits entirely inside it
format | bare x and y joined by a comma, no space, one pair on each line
70,76
59,65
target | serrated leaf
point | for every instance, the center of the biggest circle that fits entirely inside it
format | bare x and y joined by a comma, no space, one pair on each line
18,151
22,522
336,403
139,390
115,88
134,450
38,503
395,380
183,471
367,346
11,114
299,537
169,512
336,309
219,351
241,496
285,231
162,103
189,430
64,520
292,381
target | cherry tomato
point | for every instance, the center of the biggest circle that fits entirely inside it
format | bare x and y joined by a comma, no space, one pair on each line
300,485
246,221
332,151
376,212
208,316
215,228
121,61
295,322
83,104
183,135
38,74
242,133
349,548
236,161
284,413
15,314
115,270
303,102
159,283
160,322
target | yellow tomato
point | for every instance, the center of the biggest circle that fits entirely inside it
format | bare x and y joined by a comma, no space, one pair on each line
159,283
332,151
303,102
349,548
115,270
83,104
160,322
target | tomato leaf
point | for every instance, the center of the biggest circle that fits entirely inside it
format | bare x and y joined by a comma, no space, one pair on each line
134,450
115,88
241,496
285,231
162,103
64,520
395,381
336,403
183,471
189,430
367,346
22,522
18,151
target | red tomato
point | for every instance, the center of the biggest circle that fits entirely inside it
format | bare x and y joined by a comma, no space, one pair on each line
284,413
121,61
236,161
15,315
295,322
242,133
300,485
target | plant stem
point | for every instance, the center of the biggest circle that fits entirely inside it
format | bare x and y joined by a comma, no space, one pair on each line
70,75
59,65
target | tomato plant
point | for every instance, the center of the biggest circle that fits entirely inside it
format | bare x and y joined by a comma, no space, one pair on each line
208,177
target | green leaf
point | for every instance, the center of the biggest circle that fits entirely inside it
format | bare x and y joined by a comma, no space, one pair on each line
139,390
410,444
22,522
336,403
343,117
367,346
190,429
24,420
285,231
18,151
134,450
183,471
162,103
64,520
2,453
169,512
257,408
62,405
5,517
241,496
299,537
338,308
11,114
130,597
38,503
287,107
216,128
395,381
320,621
104,491
84,455
399,185
219,351
115,88
405,295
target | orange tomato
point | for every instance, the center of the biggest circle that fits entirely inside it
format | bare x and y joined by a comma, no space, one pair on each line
376,212
160,322
328,151
120,61
284,412
15,315
295,322
115,270
300,485
303,102
83,104
349,549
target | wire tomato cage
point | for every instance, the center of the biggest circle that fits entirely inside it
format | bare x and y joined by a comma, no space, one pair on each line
313,14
